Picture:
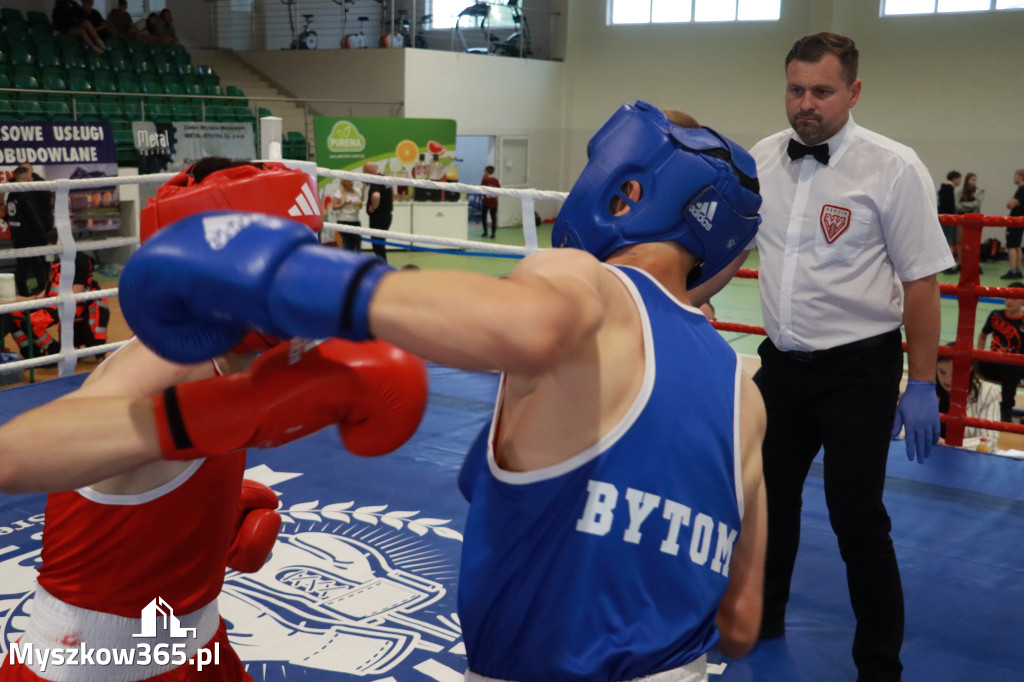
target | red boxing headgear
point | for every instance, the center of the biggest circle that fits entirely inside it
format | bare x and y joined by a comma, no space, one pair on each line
265,187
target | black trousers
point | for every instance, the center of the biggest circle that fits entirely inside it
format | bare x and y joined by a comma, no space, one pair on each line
845,400
32,265
350,241
493,211
380,223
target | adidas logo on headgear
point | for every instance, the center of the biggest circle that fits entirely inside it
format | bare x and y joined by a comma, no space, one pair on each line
704,212
305,203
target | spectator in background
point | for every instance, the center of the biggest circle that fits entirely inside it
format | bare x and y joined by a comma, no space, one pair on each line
96,19
969,201
1014,234
1007,329
69,17
121,23
947,206
157,30
28,229
170,33
982,402
343,208
378,209
490,204
970,197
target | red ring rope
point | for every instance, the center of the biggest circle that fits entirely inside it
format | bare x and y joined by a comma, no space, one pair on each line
967,291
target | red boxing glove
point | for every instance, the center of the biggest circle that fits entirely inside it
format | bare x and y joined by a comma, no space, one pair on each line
375,393
256,528
256,342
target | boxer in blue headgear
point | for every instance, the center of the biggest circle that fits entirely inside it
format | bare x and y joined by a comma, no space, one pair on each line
693,187
621,465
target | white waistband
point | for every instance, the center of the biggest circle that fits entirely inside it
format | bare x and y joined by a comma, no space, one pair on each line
694,671
57,627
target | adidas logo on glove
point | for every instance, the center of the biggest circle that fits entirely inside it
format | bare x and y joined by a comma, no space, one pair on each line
305,203
218,230
704,212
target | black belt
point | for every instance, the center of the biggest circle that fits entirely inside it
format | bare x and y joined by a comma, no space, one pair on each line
827,353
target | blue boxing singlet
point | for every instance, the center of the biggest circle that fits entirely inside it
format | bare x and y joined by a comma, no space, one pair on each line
611,565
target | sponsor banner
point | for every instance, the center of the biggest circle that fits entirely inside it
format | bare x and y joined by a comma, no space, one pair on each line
68,150
171,147
401,147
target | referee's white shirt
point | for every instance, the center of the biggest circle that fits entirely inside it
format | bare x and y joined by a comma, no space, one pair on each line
837,241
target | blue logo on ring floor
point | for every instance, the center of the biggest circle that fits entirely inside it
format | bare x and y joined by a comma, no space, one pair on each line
361,584
360,591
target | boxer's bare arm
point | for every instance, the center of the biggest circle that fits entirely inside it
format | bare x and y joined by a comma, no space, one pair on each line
739,614
523,324
102,430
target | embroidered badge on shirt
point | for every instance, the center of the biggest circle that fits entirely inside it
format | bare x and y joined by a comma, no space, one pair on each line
834,221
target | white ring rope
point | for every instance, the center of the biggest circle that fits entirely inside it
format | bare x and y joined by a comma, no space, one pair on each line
67,247
426,239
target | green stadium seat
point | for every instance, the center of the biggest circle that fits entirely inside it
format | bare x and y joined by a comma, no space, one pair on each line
87,111
26,78
187,70
57,111
5,82
37,18
31,110
41,35
163,67
103,81
149,84
22,54
72,58
12,15
294,146
47,55
80,80
142,63
208,75
97,62
112,110
264,112
116,45
132,106
173,85
8,112
120,61
128,82
65,41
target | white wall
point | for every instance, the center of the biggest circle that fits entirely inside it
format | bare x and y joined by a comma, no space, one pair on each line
949,86
499,96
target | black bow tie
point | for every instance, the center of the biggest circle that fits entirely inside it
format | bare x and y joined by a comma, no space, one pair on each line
799,151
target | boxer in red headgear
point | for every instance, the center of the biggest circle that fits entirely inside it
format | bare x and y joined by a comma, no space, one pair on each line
145,461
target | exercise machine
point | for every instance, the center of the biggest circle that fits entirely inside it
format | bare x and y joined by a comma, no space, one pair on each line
305,40
352,41
388,36
481,14
409,38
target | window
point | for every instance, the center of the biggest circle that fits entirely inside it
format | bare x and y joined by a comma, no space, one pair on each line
684,11
444,14
897,7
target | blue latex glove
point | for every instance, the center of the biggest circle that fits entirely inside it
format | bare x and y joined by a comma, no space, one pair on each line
918,412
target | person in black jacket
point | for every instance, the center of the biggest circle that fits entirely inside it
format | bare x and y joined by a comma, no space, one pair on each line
28,228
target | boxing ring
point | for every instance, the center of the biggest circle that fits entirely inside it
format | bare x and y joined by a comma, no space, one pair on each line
389,529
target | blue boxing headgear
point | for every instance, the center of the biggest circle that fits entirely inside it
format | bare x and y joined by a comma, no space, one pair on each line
698,189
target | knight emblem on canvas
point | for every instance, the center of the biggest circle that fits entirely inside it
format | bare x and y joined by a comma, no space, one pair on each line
834,221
